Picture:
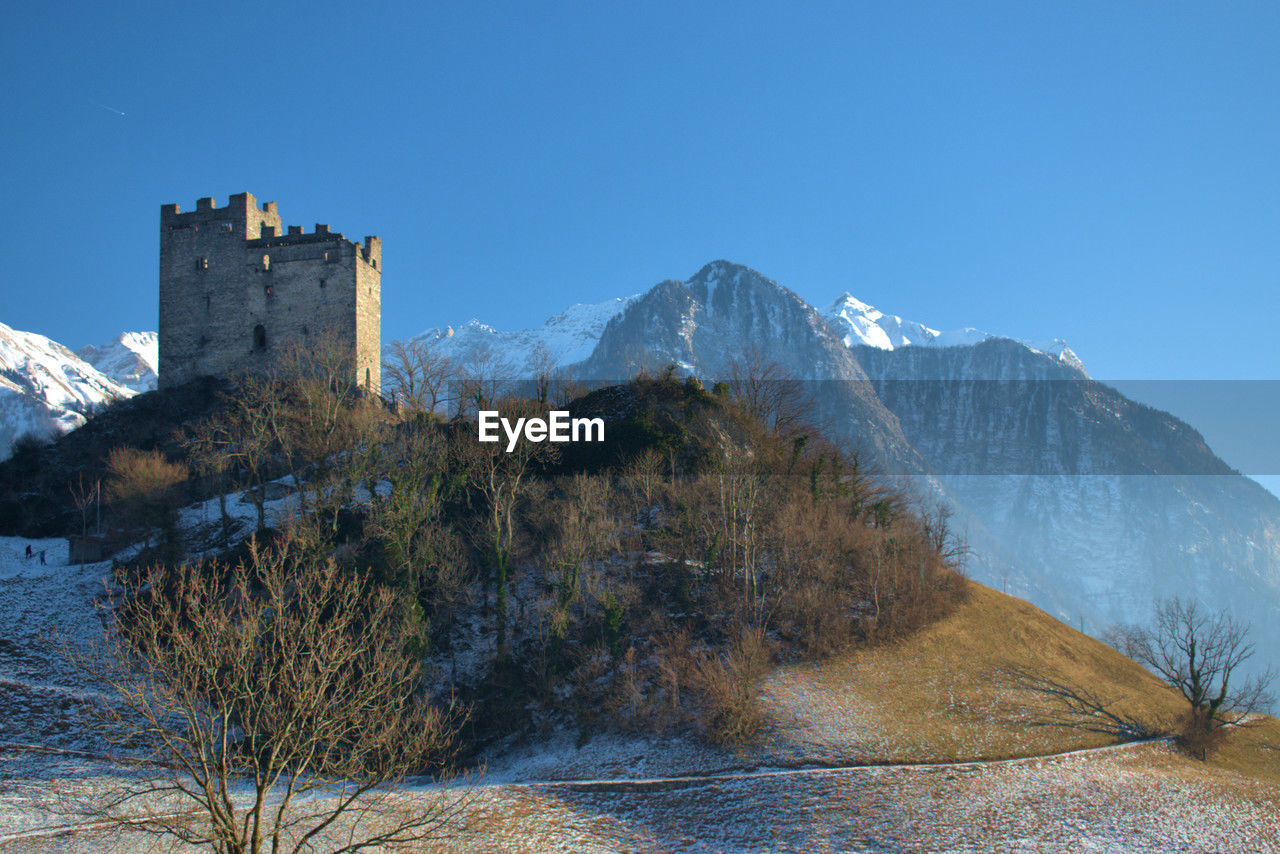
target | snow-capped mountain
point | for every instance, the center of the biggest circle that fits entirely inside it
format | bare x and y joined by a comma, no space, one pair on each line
130,359
45,389
863,325
1074,497
567,338
726,312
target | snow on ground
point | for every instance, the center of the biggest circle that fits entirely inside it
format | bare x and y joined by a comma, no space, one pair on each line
1141,798
1136,799
559,756
202,521
40,694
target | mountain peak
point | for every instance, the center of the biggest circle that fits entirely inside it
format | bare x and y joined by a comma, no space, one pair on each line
45,389
721,269
131,359
861,324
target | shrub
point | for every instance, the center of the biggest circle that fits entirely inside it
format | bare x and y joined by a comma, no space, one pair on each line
30,442
730,688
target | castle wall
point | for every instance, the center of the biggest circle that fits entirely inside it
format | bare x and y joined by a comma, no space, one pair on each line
369,313
236,293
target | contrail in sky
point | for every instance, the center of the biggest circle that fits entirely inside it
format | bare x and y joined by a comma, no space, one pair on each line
105,107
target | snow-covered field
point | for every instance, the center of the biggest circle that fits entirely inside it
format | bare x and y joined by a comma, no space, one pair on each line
1141,798
40,695
43,605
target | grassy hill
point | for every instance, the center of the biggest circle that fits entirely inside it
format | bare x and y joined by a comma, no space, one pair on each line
916,704
943,695
940,695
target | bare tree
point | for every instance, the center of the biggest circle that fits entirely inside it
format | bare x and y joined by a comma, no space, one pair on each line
407,521
1199,655
318,416
205,443
542,367
740,491
418,374
767,391
484,376
83,494
1196,653
584,532
502,479
240,439
309,419
644,478
950,545
276,698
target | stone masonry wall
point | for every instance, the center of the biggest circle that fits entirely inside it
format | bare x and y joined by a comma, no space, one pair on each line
236,293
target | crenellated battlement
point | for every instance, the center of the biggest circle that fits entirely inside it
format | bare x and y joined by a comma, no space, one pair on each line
238,288
206,209
259,226
241,215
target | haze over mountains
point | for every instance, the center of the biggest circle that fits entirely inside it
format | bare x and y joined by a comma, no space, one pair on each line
1071,495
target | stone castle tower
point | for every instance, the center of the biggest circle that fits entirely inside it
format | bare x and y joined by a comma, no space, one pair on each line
236,291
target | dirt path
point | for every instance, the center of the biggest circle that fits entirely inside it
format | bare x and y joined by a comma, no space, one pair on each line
622,784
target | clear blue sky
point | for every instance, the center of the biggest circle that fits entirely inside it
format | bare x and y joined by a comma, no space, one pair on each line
1107,173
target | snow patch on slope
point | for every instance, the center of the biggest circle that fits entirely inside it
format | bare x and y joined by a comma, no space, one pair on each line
860,324
567,338
46,389
131,359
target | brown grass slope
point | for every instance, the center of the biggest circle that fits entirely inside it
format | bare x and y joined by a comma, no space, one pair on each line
942,695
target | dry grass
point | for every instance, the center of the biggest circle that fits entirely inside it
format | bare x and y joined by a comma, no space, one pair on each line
939,695
1253,751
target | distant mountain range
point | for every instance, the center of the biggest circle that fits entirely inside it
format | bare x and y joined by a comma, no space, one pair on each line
567,338
46,390
1071,495
1085,502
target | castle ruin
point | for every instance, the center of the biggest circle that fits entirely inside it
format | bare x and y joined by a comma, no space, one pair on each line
236,292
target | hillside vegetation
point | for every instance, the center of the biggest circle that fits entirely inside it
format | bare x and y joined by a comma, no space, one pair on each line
647,582
700,632
715,567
